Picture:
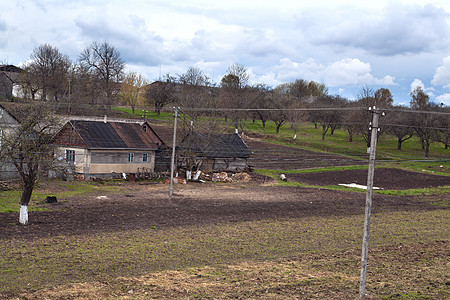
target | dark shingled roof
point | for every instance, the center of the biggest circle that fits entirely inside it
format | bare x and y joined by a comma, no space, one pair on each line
216,145
113,135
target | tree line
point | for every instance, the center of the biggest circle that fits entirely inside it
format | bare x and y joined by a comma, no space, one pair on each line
97,79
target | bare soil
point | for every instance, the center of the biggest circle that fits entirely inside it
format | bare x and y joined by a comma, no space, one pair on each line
385,178
281,157
142,206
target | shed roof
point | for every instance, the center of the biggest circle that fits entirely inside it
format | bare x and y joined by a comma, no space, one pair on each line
216,145
115,135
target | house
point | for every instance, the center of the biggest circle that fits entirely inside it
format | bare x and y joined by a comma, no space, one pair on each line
100,149
9,76
214,152
8,122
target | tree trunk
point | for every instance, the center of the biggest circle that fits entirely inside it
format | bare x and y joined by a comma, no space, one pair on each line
350,135
399,144
278,127
324,131
263,123
26,196
427,147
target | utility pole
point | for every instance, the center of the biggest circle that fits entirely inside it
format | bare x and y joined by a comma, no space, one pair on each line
365,244
172,163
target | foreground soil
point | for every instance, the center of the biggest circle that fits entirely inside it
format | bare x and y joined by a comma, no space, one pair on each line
143,207
140,206
385,178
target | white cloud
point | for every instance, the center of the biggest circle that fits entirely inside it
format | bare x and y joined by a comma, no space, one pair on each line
396,29
445,98
430,91
442,75
345,72
417,83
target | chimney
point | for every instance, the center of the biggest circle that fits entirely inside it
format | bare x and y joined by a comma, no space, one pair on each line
105,119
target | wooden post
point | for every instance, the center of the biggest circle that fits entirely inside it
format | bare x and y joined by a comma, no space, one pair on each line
172,163
365,244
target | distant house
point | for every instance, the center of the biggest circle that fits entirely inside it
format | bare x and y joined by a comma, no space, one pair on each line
103,149
9,76
8,122
215,152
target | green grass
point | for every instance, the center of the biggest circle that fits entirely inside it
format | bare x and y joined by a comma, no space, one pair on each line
9,200
69,259
310,138
149,114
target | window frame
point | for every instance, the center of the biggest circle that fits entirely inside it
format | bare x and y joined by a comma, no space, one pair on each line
70,155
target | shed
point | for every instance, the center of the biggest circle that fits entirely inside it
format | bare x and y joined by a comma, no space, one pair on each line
215,152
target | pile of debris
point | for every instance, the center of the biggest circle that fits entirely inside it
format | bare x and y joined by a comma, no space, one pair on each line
4,186
224,177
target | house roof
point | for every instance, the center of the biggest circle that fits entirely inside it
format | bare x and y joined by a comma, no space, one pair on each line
10,68
216,145
3,110
113,135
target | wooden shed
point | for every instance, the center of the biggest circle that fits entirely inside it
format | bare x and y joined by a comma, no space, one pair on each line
214,152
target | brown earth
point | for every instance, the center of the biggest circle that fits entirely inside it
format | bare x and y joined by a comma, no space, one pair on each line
385,178
143,206
281,157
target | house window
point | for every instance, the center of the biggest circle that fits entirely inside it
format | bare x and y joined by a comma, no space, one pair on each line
131,157
145,157
70,155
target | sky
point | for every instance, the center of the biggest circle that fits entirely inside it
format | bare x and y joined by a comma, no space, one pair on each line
347,45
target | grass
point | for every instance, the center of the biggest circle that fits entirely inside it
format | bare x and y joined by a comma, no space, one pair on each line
310,138
318,251
149,114
10,199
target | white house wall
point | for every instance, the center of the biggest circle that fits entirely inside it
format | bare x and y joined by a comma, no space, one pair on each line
101,163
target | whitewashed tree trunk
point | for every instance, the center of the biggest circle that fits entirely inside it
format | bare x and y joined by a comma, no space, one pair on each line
23,215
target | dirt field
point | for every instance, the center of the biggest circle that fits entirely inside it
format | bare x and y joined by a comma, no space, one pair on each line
144,207
385,178
280,157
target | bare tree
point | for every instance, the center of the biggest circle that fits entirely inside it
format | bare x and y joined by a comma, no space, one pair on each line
194,92
442,134
326,116
424,122
281,101
131,89
161,93
47,73
29,148
103,61
263,101
236,93
399,124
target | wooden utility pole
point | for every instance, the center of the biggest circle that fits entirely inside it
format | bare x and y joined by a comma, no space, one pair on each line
172,163
365,244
